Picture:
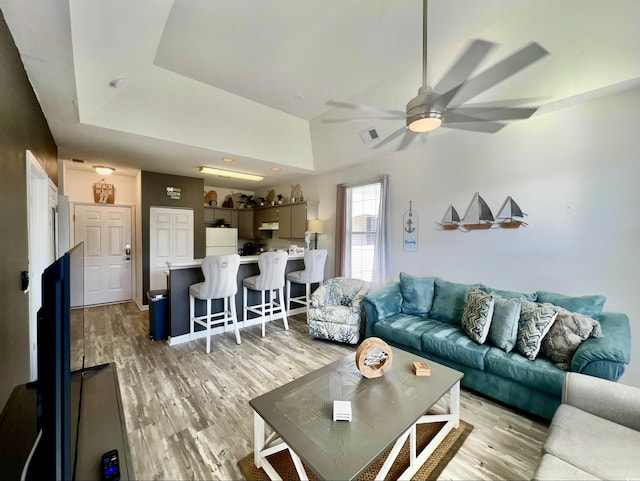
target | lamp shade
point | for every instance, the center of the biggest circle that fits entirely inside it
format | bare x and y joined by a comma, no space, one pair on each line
316,226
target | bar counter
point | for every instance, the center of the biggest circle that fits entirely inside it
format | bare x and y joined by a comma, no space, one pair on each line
184,274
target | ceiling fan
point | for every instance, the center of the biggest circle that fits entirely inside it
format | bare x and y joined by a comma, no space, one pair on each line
443,105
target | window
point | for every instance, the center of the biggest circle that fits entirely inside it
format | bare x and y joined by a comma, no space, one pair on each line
361,225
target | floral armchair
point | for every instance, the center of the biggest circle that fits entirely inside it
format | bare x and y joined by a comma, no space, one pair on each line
336,311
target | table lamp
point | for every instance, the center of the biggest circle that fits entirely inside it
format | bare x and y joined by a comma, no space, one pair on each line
316,226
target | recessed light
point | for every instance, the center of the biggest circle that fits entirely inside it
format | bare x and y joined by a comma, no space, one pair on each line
276,169
227,159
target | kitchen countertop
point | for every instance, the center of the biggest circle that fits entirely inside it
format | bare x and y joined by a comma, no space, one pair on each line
243,260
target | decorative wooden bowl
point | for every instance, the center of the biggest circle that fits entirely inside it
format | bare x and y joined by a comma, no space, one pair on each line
374,357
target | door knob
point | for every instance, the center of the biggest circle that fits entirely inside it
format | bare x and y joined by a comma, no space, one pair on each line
127,252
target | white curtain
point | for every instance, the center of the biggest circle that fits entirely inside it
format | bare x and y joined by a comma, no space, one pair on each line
380,255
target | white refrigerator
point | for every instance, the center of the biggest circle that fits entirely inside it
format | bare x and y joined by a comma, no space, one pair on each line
221,241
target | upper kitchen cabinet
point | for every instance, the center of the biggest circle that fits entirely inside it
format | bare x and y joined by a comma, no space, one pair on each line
245,224
292,219
214,215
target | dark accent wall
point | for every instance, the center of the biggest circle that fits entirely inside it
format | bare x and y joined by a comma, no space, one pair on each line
22,127
154,194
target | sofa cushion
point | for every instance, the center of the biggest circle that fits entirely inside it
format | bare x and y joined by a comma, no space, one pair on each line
554,469
417,293
334,331
540,374
535,321
449,300
568,331
510,294
477,315
404,329
504,325
588,305
577,437
450,342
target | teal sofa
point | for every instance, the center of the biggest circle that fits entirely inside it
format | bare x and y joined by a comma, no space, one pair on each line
423,316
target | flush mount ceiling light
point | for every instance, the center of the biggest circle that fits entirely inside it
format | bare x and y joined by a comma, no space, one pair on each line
230,173
227,159
276,169
102,170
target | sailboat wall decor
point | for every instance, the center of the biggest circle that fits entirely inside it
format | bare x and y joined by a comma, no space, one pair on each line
510,215
451,219
479,216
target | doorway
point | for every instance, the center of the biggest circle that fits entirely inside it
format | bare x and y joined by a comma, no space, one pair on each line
41,213
108,250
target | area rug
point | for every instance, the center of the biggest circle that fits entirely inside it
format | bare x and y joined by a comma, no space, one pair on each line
431,469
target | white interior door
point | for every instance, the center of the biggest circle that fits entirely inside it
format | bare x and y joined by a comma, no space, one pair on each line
170,240
106,232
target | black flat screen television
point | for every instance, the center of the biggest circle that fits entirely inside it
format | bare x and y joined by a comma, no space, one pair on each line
60,351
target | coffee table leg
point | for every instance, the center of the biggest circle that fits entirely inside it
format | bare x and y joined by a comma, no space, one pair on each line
297,462
261,451
454,402
258,439
452,421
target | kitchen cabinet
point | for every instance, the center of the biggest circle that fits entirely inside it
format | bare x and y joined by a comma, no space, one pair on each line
245,224
214,214
292,221
271,214
257,221
264,214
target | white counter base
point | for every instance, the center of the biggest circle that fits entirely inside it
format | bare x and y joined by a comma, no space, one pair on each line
174,341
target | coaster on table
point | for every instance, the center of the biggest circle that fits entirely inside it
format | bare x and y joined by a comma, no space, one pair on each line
421,369
342,411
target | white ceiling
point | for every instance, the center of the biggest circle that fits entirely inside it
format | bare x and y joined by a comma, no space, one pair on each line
249,79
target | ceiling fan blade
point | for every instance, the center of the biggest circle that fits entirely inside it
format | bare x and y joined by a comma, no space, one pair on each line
500,71
484,127
409,137
480,114
390,137
502,103
357,119
464,66
366,108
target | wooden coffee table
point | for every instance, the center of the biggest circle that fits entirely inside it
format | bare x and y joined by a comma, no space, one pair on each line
385,412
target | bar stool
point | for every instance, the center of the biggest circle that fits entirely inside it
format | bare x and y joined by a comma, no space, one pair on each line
313,272
220,282
271,278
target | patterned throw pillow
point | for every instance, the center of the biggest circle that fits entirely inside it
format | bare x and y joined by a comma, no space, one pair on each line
477,315
535,322
565,336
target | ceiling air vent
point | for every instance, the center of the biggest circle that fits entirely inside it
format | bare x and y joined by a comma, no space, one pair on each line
368,135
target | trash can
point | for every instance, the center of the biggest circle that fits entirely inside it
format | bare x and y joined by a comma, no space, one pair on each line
158,314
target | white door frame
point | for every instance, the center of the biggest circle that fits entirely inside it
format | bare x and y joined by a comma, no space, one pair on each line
40,253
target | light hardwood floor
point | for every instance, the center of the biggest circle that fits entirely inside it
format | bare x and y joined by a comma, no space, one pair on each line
188,415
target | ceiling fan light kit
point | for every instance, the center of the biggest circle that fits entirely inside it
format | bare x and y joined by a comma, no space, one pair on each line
423,115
